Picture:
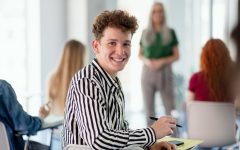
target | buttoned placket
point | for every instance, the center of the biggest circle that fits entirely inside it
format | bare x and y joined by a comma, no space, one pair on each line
119,102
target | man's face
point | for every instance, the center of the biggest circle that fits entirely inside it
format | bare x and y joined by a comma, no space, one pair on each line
113,50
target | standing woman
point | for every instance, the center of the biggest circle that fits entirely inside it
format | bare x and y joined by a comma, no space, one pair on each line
158,50
71,61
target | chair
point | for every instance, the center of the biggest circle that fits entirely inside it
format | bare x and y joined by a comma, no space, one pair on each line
51,123
85,147
4,144
212,122
77,147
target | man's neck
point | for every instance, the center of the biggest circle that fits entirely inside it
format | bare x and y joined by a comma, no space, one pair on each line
113,76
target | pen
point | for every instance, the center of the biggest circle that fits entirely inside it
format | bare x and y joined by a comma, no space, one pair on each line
154,118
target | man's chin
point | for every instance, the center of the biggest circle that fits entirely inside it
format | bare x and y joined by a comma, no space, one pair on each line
117,69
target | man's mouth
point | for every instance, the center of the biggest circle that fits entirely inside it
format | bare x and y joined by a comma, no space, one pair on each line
119,60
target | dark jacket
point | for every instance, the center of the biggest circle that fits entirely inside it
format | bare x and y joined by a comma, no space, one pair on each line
15,118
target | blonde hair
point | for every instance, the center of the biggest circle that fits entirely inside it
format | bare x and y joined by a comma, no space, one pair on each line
148,34
71,61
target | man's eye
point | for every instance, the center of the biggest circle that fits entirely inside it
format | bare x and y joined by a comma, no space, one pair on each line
127,45
112,43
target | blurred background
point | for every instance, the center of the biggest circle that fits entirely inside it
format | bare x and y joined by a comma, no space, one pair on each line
33,33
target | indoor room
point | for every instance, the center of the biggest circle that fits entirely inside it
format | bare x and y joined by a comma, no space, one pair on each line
35,36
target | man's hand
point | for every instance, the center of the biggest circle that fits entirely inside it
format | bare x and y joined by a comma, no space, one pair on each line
164,126
163,146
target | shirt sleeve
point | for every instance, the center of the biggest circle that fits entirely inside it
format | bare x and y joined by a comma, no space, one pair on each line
192,83
92,121
174,38
141,39
16,117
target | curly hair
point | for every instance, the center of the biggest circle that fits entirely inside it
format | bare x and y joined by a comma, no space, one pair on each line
116,18
217,66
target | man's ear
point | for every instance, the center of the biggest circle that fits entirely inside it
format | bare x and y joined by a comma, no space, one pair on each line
95,46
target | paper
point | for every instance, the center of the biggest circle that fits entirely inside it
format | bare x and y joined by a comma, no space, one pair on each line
188,143
53,118
52,121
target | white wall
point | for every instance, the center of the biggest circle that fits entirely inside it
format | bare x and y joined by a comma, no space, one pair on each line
77,20
53,36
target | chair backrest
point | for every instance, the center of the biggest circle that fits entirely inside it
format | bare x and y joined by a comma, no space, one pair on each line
77,147
212,122
85,147
4,144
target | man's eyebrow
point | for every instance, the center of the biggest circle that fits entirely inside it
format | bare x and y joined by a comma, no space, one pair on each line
126,41
112,40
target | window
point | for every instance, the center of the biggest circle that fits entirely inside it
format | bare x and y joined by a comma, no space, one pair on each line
19,48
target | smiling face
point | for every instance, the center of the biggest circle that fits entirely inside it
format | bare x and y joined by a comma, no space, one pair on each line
112,50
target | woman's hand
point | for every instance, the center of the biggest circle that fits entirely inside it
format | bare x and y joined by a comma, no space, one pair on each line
147,62
44,110
157,64
162,146
153,64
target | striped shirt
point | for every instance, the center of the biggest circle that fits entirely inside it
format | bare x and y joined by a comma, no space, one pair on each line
94,113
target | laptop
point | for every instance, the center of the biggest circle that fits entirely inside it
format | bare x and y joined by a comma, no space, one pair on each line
212,122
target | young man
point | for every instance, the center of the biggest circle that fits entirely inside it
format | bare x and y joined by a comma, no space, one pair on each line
94,111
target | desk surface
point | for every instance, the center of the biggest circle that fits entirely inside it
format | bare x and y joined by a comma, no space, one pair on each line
188,143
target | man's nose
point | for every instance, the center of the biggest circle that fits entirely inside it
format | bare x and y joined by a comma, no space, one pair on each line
120,50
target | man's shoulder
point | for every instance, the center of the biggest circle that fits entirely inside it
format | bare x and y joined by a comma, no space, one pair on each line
88,73
4,83
5,87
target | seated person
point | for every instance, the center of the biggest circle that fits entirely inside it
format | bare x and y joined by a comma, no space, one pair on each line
214,80
71,61
15,119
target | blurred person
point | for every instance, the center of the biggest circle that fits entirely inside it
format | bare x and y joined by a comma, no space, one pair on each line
236,37
94,113
16,120
158,50
71,61
214,81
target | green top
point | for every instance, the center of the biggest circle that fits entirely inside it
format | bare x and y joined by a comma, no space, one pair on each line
157,49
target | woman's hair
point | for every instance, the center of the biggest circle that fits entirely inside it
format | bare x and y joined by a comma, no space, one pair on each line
71,61
217,66
116,18
149,34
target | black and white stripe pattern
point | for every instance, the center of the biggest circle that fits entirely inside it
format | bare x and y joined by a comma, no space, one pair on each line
94,113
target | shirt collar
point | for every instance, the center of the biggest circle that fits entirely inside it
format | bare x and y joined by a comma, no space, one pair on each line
110,81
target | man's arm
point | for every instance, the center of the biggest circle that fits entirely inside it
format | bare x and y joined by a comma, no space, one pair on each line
13,112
